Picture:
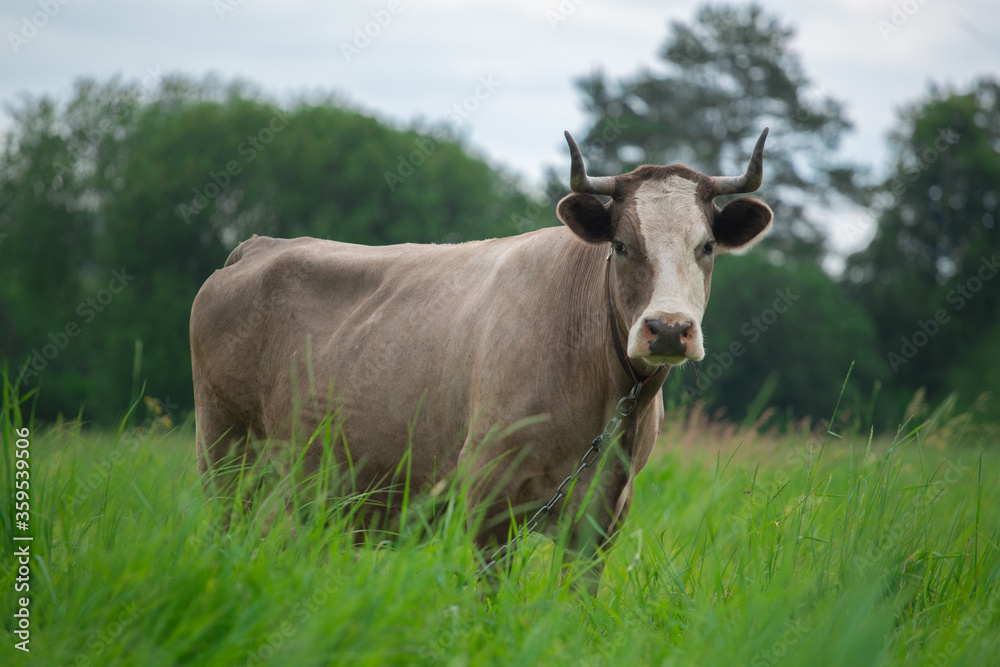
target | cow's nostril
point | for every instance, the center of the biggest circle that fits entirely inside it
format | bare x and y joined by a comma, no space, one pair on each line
658,327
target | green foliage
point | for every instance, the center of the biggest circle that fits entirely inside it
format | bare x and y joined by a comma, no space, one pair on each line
728,74
116,205
161,185
837,553
787,336
932,258
916,311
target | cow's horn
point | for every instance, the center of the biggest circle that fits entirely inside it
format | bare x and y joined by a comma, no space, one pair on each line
578,179
751,178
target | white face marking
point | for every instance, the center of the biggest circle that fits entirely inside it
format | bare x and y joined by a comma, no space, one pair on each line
673,227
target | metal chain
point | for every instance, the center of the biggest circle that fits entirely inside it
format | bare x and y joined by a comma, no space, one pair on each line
624,408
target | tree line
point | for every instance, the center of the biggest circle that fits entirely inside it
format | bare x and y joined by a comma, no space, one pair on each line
914,311
117,204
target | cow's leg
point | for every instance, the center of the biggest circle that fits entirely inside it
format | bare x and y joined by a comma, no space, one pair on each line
588,544
505,484
496,484
606,510
495,529
224,457
617,489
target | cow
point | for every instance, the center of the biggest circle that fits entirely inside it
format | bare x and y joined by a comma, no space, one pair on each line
499,360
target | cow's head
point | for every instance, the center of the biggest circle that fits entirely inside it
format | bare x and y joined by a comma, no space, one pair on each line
664,230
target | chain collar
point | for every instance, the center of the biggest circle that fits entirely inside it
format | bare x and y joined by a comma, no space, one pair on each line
612,429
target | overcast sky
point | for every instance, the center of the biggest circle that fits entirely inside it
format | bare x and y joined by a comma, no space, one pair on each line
433,54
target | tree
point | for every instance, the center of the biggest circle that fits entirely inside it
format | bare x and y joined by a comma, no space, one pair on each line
928,275
784,338
51,174
158,188
727,75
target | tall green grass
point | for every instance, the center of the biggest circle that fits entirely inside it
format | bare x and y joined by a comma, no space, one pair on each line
742,548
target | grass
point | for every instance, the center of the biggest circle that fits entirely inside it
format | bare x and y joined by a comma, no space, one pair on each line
743,547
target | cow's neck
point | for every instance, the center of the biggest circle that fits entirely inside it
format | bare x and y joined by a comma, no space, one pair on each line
603,364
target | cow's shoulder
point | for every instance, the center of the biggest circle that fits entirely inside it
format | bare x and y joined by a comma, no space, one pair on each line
279,261
264,247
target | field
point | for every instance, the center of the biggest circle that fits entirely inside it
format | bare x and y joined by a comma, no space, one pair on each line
742,548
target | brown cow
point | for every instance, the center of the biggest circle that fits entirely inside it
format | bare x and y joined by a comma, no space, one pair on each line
441,347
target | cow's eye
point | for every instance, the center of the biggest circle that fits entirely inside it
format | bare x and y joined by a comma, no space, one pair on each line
620,248
708,248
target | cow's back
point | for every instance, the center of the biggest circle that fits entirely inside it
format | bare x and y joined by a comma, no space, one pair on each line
406,341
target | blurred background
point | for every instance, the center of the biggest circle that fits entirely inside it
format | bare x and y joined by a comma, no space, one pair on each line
143,142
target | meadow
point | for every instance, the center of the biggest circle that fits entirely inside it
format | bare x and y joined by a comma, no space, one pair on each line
744,547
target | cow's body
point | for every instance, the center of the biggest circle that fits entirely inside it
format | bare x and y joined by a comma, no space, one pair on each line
445,348
450,341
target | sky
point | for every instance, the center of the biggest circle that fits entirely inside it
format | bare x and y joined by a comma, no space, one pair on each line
500,73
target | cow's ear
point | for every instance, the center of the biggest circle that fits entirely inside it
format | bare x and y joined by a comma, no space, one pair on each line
587,217
740,224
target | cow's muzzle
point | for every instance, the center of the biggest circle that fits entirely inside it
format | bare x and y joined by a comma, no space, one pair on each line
671,338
